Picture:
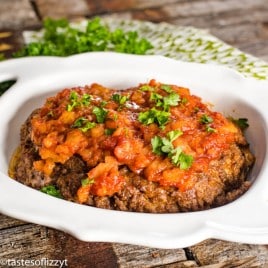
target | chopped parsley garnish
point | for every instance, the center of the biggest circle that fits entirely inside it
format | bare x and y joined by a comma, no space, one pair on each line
51,190
154,116
60,38
157,98
165,102
184,101
167,88
205,119
120,99
242,123
100,113
196,109
160,117
179,158
210,129
87,181
174,134
83,124
164,146
85,100
77,101
73,101
146,88
109,131
170,100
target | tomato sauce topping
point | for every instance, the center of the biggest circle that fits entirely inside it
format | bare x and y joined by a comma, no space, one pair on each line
159,131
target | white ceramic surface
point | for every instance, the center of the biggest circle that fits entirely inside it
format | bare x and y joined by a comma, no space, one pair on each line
244,220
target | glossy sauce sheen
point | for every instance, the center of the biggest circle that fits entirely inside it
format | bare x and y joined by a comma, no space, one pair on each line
111,134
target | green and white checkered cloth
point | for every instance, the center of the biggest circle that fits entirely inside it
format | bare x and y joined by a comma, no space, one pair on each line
186,44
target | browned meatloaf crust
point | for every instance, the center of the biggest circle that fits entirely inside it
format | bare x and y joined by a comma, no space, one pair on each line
225,182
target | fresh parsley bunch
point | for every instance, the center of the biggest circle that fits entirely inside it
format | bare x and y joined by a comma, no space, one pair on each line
61,39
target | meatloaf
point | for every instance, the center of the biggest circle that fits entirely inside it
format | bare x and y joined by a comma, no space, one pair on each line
152,148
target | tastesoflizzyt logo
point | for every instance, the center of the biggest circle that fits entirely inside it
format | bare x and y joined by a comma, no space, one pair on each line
44,262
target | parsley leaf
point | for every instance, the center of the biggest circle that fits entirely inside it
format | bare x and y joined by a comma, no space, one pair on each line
86,98
167,88
154,116
165,102
157,98
109,131
87,181
210,129
51,190
171,100
61,39
174,134
76,100
157,144
179,158
205,119
242,123
164,146
73,101
100,113
146,88
83,124
120,99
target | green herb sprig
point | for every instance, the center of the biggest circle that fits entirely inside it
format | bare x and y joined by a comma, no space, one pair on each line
77,101
60,38
207,120
154,116
164,146
83,124
51,190
87,181
172,99
101,114
120,99
242,123
161,115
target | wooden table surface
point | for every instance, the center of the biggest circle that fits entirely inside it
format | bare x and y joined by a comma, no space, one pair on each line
241,23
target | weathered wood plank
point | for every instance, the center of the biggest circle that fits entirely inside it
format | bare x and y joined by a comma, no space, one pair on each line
82,254
199,8
238,34
105,6
216,252
12,38
25,242
225,19
34,242
7,222
184,264
257,48
17,14
129,256
63,8
245,263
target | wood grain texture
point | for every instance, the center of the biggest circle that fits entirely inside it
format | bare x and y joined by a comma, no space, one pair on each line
58,9
242,255
17,14
136,256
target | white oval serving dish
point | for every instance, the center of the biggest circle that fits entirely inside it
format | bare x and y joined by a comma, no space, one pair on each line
244,220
